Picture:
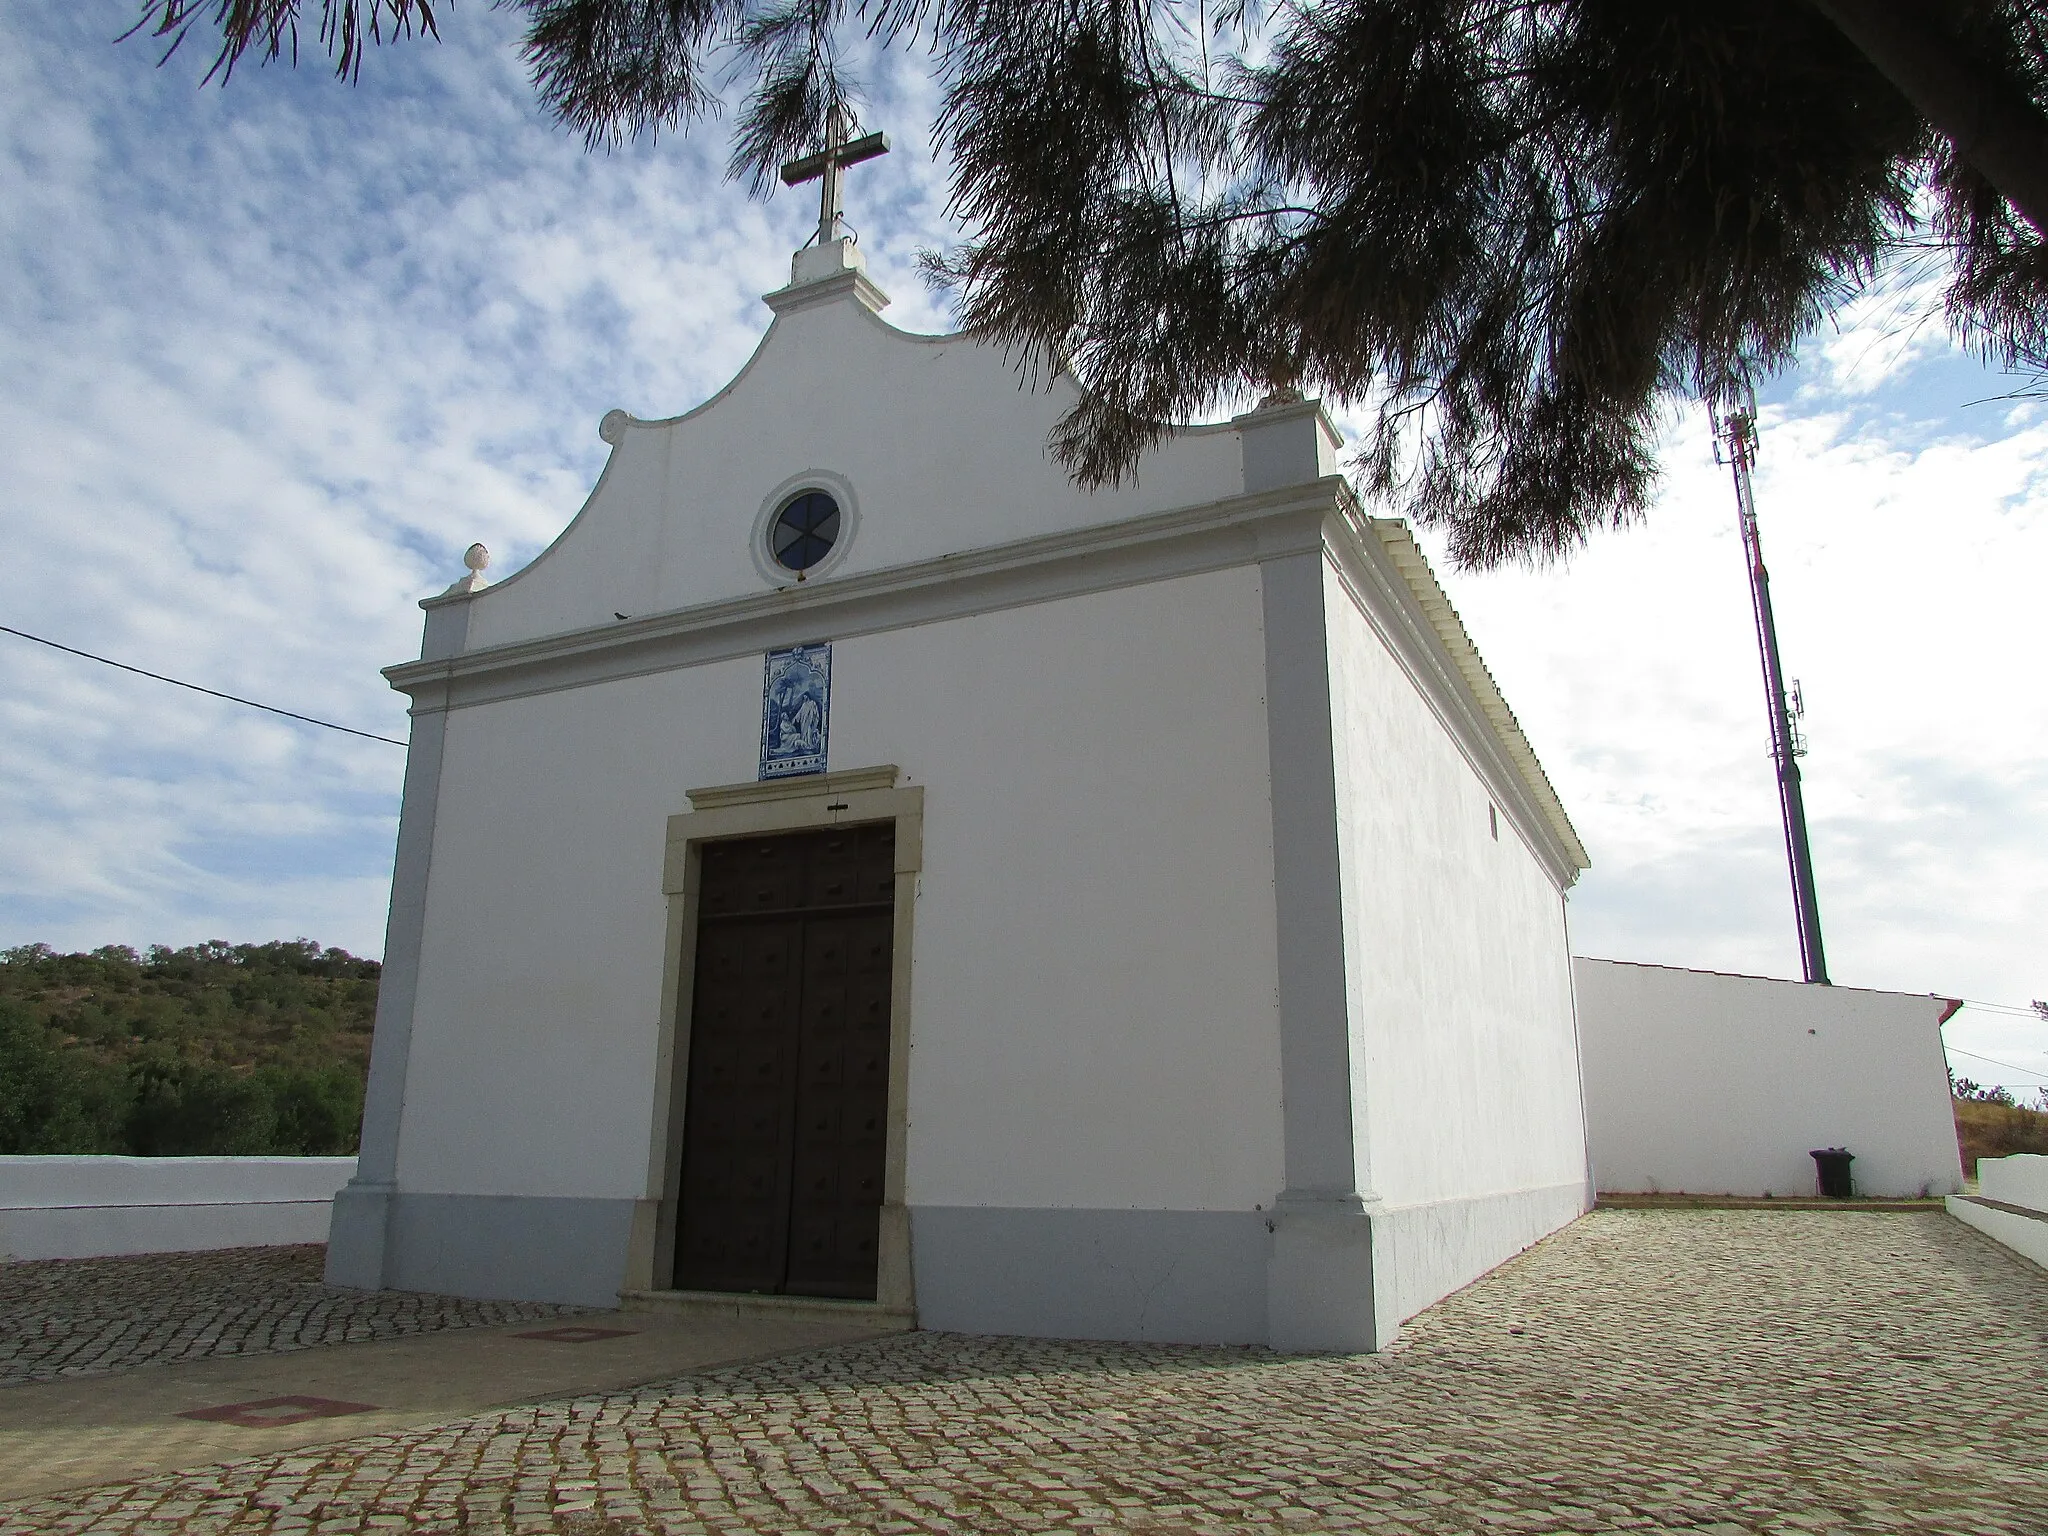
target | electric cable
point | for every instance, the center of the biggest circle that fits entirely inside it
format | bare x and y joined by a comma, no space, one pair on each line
212,693
2012,1009
1990,1061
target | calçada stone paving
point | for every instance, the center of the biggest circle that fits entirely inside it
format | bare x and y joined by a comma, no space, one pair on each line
1703,1371
63,1318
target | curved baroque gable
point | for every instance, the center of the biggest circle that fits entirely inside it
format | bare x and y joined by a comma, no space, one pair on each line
934,440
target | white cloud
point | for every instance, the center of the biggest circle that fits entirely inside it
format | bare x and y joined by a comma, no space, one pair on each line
1886,328
1905,572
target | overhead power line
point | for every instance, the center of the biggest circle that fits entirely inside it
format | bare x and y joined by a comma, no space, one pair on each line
212,693
2013,1009
1991,1062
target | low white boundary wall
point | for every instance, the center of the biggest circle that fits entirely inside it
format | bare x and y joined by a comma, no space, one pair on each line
2020,1180
89,1207
1710,1084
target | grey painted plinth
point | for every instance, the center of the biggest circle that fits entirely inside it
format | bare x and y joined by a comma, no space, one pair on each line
1422,1253
1319,1278
1347,1272
1319,1273
1335,1273
1183,1277
356,1235
506,1247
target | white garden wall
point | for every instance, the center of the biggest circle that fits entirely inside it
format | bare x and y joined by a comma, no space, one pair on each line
2021,1179
2019,1182
1708,1083
92,1207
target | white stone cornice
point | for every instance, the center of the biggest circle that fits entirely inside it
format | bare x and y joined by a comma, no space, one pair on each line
1390,582
1238,530
1377,561
827,290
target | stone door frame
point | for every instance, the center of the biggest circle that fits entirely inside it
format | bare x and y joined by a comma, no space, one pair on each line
814,802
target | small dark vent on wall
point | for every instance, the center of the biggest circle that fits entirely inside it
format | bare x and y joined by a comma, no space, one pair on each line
1493,821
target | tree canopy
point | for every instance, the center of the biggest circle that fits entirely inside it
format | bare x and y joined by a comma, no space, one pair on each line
226,1049
1509,231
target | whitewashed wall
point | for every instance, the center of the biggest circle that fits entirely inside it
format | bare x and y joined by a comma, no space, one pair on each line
1095,1061
1718,1084
1459,973
1094,1012
90,1207
1094,1020
1107,751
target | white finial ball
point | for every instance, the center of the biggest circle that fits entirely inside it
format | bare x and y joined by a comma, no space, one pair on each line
476,557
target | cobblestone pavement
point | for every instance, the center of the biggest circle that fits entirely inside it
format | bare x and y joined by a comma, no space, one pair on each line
61,1318
1710,1372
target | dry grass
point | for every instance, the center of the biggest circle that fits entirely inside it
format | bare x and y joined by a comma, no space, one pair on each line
1995,1130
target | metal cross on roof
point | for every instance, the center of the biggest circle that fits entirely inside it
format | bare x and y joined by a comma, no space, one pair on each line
824,166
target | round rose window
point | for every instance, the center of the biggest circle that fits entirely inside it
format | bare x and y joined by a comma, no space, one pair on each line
804,531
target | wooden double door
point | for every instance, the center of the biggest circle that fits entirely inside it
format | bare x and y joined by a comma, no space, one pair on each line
785,1127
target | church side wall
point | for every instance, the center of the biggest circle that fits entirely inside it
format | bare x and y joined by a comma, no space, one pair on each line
1469,1129
1094,1112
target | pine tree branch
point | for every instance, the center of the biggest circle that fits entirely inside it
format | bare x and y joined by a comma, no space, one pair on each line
1994,126
271,28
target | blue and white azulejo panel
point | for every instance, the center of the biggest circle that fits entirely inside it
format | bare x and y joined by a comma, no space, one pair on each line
796,709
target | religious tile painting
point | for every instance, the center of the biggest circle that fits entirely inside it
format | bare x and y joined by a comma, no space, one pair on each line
796,710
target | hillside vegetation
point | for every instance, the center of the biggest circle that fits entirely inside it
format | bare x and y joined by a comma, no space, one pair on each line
1990,1124
216,1049
263,1048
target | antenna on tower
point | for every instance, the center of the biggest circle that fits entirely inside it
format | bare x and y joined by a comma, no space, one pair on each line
1734,418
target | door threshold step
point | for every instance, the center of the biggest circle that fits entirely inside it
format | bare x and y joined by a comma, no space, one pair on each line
752,1304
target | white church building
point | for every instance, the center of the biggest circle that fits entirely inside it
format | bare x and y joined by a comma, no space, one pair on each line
855,865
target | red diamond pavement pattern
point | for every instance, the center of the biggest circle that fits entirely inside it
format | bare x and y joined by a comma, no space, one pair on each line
576,1335
271,1412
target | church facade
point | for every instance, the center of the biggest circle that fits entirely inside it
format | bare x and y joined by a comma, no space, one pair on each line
854,865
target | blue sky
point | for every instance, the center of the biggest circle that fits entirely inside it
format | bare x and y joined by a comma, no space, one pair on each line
276,354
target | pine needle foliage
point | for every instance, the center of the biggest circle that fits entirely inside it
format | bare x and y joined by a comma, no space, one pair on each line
1510,232
270,28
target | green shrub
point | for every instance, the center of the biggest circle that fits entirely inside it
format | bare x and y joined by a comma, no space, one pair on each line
53,1100
193,1109
318,1114
217,1049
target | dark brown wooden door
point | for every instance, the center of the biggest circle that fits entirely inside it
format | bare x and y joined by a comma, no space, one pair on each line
786,1111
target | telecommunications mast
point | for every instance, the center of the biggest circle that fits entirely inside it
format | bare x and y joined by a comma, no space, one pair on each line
1735,436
